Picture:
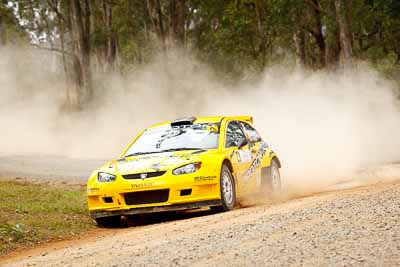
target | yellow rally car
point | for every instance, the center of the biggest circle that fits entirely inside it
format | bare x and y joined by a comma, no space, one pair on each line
185,164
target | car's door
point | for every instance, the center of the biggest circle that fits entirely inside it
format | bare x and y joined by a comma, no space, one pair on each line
240,158
258,150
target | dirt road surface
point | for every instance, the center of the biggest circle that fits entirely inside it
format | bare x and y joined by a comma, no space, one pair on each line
47,169
353,227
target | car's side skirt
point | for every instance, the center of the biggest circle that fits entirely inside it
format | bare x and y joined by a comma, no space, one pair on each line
174,207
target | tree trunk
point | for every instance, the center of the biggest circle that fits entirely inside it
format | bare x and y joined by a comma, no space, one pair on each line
111,45
344,34
177,20
299,35
80,30
318,34
261,15
3,39
333,51
61,25
349,20
299,39
155,13
397,52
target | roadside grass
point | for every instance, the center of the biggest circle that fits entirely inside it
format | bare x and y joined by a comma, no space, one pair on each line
32,214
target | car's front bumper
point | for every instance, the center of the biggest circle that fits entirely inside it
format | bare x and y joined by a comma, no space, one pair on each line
135,196
143,210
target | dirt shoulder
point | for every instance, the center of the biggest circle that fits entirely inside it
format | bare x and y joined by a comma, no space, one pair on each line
32,214
358,226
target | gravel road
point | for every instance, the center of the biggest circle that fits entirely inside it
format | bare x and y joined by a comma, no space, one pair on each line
49,169
353,227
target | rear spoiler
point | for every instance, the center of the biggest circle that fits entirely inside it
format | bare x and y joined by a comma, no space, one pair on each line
183,121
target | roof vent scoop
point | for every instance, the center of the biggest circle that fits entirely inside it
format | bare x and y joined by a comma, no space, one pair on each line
183,121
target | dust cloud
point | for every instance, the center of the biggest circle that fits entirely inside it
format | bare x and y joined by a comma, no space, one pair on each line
324,125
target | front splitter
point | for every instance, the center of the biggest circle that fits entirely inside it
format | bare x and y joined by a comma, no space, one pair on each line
174,207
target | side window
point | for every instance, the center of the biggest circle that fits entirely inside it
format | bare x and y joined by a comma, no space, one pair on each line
251,132
234,134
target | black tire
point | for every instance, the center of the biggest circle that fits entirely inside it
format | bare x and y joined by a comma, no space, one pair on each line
227,190
271,186
109,222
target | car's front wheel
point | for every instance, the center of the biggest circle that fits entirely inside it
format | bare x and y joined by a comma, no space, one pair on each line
227,189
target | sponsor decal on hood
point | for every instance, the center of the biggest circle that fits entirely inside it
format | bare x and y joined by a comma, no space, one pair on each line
155,162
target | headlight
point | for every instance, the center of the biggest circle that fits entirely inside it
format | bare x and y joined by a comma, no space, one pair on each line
189,168
105,177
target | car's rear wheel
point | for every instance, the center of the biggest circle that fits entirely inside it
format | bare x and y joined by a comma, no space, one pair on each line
227,189
271,181
109,222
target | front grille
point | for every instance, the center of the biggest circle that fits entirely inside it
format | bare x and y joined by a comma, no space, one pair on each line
147,197
139,175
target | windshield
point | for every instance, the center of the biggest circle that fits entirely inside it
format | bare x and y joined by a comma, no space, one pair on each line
167,138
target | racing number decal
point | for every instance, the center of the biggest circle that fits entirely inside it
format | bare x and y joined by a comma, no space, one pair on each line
256,162
243,155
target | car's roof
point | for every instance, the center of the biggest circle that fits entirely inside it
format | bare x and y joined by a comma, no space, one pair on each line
211,119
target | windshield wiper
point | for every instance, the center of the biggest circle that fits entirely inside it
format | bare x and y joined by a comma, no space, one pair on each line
181,148
165,150
140,153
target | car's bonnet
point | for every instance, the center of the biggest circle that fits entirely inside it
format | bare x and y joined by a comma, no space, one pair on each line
156,162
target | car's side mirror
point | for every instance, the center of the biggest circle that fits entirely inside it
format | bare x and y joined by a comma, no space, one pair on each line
242,143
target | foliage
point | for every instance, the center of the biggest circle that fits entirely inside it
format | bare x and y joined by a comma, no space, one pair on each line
231,35
33,213
10,30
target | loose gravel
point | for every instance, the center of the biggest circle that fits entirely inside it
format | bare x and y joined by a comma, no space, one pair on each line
354,227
